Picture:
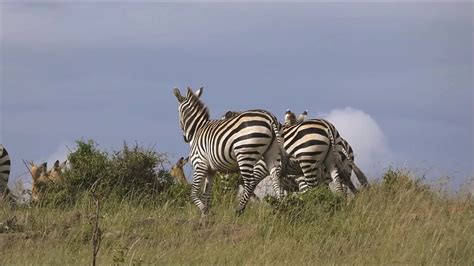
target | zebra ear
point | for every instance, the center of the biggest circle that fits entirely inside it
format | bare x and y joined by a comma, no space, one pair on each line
198,93
56,164
178,95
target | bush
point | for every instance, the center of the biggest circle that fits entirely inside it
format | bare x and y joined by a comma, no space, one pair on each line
396,180
225,186
132,173
308,206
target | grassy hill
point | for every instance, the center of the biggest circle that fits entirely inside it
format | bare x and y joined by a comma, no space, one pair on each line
398,221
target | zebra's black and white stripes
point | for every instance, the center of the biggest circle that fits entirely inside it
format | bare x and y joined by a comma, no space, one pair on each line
320,134
5,166
228,146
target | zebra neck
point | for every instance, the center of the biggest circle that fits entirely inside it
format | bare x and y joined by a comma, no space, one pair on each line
196,124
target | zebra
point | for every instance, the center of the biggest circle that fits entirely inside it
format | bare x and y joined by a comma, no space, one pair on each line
5,166
345,157
314,146
285,183
228,146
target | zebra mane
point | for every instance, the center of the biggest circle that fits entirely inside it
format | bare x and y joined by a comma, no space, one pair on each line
198,103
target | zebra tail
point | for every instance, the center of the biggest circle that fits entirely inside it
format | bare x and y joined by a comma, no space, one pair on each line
284,158
337,157
360,175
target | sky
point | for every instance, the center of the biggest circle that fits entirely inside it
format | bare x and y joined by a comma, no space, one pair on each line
395,78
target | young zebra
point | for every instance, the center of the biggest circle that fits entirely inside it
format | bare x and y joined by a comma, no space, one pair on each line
5,165
228,146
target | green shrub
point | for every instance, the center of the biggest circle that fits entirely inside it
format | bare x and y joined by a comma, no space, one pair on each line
394,181
225,186
308,206
132,173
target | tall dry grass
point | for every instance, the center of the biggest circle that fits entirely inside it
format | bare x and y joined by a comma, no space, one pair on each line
397,221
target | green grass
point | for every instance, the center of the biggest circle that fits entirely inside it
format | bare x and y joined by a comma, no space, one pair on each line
399,222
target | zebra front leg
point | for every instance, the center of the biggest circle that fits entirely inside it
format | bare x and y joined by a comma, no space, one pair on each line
206,196
198,177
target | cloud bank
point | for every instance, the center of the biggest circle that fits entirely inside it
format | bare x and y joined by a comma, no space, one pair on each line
366,137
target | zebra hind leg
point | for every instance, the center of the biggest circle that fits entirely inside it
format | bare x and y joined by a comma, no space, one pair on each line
273,162
334,172
249,187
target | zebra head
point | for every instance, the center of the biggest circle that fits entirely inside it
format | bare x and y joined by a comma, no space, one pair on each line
192,112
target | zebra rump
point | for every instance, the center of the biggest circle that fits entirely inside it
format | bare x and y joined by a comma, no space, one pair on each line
5,166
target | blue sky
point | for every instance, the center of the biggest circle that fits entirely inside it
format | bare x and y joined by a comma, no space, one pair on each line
395,78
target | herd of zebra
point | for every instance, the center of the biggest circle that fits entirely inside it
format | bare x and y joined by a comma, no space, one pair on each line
300,153
256,145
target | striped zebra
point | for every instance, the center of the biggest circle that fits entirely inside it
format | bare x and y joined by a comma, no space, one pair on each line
342,153
228,146
5,166
317,154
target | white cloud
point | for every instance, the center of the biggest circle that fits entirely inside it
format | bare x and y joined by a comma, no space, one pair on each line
370,144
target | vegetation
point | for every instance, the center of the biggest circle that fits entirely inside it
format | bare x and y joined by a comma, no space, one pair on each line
146,218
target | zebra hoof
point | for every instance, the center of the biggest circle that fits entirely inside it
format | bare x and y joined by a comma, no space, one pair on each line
239,211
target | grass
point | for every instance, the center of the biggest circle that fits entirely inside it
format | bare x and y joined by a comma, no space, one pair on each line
397,221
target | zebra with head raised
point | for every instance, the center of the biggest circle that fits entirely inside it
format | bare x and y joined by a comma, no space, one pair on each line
227,146
5,166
